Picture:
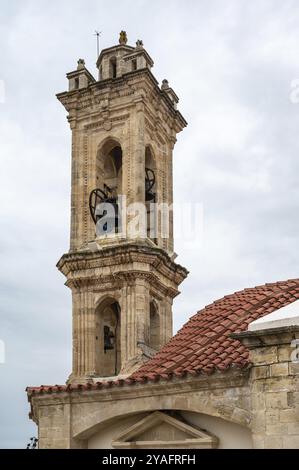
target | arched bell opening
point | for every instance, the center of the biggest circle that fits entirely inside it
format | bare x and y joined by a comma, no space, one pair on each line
109,167
150,175
150,190
104,199
154,336
108,354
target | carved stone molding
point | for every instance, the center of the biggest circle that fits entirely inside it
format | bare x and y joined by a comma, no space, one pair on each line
125,254
163,431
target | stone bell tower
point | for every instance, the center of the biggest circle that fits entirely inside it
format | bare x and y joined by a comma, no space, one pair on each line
122,276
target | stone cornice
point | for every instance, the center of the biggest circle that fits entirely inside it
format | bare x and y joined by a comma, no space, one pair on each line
267,337
137,52
82,268
87,97
118,280
100,123
84,70
232,378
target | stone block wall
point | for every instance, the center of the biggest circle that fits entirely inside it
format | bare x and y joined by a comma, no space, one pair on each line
274,387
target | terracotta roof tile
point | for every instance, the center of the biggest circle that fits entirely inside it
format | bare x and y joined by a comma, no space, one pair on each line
212,346
203,344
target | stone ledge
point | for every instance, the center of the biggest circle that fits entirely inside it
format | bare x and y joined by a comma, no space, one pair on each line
269,337
230,380
123,253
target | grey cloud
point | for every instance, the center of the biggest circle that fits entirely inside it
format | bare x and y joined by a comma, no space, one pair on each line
231,64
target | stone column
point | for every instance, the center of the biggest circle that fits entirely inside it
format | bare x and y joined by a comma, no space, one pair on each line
139,153
128,324
135,167
142,310
135,321
83,335
169,171
166,321
92,181
75,333
75,187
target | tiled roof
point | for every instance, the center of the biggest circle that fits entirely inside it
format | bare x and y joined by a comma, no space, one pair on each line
203,344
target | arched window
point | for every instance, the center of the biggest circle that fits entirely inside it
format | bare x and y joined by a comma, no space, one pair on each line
108,357
105,197
150,174
150,194
154,339
109,167
112,67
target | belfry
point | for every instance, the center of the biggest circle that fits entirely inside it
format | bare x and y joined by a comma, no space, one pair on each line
121,270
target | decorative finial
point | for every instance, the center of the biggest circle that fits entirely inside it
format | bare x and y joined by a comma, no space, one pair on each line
81,64
139,43
123,38
165,84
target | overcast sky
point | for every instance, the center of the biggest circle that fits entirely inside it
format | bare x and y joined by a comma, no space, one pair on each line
232,64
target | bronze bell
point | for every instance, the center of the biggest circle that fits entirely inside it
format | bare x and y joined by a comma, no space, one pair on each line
108,338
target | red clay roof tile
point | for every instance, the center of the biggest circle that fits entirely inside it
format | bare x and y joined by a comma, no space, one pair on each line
212,346
204,344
